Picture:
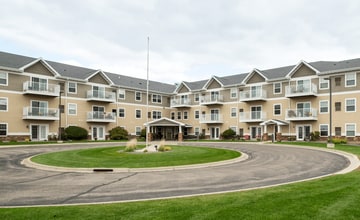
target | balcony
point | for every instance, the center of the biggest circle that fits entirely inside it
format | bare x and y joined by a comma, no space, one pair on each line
100,117
298,91
253,95
101,96
178,103
41,89
212,100
36,113
211,118
307,114
254,116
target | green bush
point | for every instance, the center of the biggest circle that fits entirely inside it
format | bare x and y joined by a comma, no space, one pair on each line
119,133
143,133
228,134
339,141
315,136
75,133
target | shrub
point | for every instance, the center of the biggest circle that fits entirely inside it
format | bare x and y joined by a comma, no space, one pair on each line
315,136
143,133
118,133
75,133
339,141
228,134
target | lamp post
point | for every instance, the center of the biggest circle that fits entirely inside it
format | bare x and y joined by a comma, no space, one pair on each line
330,144
60,110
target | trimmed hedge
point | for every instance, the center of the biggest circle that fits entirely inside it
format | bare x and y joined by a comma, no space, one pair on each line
76,133
119,133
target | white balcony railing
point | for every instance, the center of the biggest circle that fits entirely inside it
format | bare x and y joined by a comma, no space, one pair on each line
179,102
101,96
212,99
253,95
41,88
301,114
100,117
253,116
211,118
38,113
303,90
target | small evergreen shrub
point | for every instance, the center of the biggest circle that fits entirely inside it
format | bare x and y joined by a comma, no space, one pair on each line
119,133
339,141
228,134
75,133
315,136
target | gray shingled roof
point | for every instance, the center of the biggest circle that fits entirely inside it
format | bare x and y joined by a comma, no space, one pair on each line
14,61
196,85
71,71
277,73
327,66
232,79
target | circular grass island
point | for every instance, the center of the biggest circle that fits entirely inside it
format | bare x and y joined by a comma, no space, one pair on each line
115,157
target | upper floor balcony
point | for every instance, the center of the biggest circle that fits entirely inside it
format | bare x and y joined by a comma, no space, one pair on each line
253,95
301,90
305,114
41,88
212,100
92,95
253,116
96,116
179,102
37,113
211,118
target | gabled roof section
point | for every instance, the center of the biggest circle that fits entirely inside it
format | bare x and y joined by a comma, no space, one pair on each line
14,62
70,71
102,75
178,88
211,80
252,73
277,73
297,67
233,80
43,63
196,86
164,122
336,66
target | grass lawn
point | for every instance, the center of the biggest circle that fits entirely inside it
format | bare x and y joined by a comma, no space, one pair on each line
110,157
335,197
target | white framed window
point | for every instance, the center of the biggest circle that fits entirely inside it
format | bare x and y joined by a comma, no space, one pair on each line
323,83
324,130
350,129
121,94
196,114
197,131
179,115
72,109
137,96
156,98
233,93
350,79
3,104
196,97
277,109
72,87
233,112
3,79
324,106
172,115
121,113
138,131
156,114
3,129
350,105
186,115
138,113
277,87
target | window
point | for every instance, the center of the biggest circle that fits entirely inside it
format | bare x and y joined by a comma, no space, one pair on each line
72,109
122,113
156,114
197,114
38,84
350,79
337,81
3,104
98,92
350,105
324,130
324,106
323,83
197,131
172,115
337,131
337,106
277,109
137,113
72,87
156,98
122,94
138,131
233,93
179,115
233,112
196,97
256,112
277,88
137,96
186,115
350,130
3,129
3,79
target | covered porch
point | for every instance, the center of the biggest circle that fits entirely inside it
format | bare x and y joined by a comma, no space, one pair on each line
165,128
272,129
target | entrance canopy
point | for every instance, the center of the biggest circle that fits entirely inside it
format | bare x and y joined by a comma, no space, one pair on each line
274,122
164,122
165,128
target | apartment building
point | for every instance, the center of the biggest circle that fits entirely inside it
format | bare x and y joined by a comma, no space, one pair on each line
39,97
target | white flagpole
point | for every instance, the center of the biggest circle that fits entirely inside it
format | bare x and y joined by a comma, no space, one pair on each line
147,92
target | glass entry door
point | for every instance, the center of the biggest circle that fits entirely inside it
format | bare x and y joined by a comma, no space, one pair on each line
215,132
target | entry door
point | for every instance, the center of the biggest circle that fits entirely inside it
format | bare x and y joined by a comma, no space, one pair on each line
39,132
215,132
303,132
98,133
255,132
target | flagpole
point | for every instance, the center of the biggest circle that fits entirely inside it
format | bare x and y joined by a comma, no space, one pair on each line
147,92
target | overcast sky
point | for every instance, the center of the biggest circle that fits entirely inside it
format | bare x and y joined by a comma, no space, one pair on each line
189,39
